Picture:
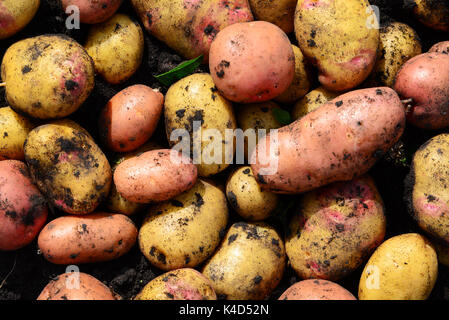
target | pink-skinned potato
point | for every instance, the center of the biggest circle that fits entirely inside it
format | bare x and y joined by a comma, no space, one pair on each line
15,15
93,11
316,290
440,47
339,141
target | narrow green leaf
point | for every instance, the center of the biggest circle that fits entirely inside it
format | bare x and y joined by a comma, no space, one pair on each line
179,72
282,116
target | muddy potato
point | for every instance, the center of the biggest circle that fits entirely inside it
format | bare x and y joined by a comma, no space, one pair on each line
180,284
93,11
48,76
316,290
246,196
432,13
116,47
15,15
404,267
184,231
441,47
312,101
193,103
67,166
280,12
23,209
14,129
336,228
249,263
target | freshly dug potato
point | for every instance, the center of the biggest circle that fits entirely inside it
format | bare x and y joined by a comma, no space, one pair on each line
156,175
116,47
23,210
432,13
14,129
129,119
76,286
48,76
312,101
339,141
335,35
336,229
191,104
15,15
280,12
93,11
246,196
180,284
316,290
249,263
190,26
67,166
184,231
441,47
404,267
252,62
424,79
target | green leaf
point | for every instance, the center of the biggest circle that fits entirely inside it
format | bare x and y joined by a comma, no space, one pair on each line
179,72
282,116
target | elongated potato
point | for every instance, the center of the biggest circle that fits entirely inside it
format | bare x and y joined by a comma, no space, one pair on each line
14,129
15,15
316,290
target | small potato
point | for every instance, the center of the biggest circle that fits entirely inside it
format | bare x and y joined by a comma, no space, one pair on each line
93,11
76,286
312,101
247,198
404,267
432,13
440,47
249,263
14,129
15,15
280,12
184,232
23,210
180,284
129,119
252,62
316,290
116,47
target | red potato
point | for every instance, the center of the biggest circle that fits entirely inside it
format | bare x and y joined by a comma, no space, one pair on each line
440,47
252,62
129,119
23,209
425,80
93,11
339,141
156,175
316,290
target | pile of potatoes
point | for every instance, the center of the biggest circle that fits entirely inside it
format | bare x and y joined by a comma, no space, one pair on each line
349,86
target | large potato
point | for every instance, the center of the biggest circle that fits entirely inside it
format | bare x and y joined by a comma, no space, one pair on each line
15,15
184,231
404,267
280,12
312,101
340,37
316,290
432,13
14,129
93,11
67,166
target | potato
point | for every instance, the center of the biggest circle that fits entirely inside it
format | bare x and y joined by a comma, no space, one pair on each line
184,232
252,62
312,101
339,141
404,267
48,76
316,290
280,13
424,80
93,11
191,104
441,47
432,13
14,129
156,175
180,284
340,37
15,15
442,251
249,263
398,43
129,119
247,198
116,47
67,166
76,286
23,210
336,230
189,27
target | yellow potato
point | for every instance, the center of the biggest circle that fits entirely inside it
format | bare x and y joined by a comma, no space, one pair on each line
15,15
312,101
432,13
279,12
13,129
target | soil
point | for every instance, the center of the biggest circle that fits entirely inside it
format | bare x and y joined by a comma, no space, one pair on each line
24,273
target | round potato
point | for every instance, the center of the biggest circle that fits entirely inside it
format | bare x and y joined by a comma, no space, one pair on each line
432,13
312,101
180,284
184,231
280,12
404,267
48,76
440,47
93,11
15,15
116,47
316,290
14,129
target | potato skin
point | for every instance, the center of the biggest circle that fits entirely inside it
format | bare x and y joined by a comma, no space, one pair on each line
440,47
129,119
404,267
336,229
343,48
180,284
184,232
422,79
14,129
249,263
243,76
92,11
280,12
23,209
316,289
67,166
339,141
312,101
432,13
15,15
